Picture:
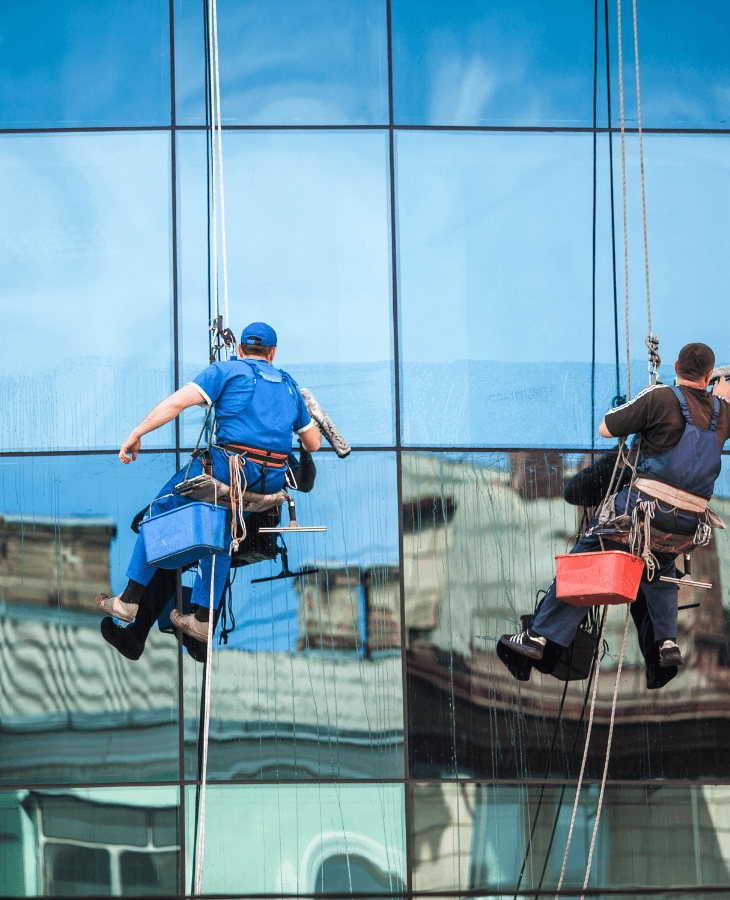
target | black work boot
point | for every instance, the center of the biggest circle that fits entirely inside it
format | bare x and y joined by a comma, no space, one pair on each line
154,597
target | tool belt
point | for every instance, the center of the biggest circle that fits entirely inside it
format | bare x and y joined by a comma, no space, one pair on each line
671,495
261,457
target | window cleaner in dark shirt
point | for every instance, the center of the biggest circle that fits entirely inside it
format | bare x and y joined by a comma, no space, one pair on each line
258,408
683,431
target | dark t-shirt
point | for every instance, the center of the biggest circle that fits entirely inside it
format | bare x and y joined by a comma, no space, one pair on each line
656,413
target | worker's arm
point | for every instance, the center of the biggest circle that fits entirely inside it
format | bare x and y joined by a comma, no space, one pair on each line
311,438
603,431
162,414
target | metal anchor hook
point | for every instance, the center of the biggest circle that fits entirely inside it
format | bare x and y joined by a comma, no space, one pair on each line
652,343
227,338
293,524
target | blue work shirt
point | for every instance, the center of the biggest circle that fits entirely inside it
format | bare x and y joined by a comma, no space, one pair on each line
256,405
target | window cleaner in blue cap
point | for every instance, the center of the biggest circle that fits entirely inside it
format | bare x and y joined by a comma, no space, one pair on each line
258,409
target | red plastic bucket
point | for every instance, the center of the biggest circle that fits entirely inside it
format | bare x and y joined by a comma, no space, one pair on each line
594,579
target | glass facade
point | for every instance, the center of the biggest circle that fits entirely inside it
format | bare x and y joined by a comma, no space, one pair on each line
425,200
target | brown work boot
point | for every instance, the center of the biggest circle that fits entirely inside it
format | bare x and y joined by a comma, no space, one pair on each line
115,606
190,625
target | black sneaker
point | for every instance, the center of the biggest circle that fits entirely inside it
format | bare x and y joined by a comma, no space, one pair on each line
670,655
525,643
519,667
122,639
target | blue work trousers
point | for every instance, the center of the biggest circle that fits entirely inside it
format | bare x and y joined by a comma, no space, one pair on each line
559,621
141,571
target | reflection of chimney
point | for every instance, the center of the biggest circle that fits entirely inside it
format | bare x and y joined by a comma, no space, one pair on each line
329,608
57,562
535,474
382,608
706,623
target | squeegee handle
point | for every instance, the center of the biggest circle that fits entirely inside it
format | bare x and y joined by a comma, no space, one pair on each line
326,425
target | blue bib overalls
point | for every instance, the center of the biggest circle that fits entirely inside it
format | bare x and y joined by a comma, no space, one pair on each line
265,424
692,465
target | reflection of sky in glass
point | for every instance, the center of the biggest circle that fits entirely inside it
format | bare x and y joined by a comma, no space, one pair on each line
684,75
471,63
85,268
307,236
495,244
295,62
84,62
531,63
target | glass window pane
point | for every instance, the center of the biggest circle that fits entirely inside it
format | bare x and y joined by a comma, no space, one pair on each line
277,839
145,874
74,710
86,262
498,63
102,824
309,684
301,62
475,837
481,533
85,63
683,72
494,265
307,230
687,196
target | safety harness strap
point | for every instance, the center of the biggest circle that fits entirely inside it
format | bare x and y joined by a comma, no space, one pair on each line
268,458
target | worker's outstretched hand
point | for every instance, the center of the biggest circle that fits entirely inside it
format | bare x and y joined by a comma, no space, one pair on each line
722,389
130,449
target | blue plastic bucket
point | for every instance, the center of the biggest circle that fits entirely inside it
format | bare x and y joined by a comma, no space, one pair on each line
184,535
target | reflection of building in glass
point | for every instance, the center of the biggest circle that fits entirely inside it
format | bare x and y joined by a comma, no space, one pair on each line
61,562
409,200
492,557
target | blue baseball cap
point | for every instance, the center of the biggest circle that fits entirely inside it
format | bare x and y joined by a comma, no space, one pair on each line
260,334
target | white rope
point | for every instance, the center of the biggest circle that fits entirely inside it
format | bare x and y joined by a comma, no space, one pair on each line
206,723
211,79
623,179
585,752
608,750
215,112
220,160
641,159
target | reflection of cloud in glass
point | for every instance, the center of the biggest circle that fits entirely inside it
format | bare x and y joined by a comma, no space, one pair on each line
495,243
84,63
298,63
86,274
532,63
463,64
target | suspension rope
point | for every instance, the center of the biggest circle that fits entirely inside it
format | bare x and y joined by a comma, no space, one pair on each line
206,726
608,750
618,399
213,103
211,82
217,84
585,757
593,270
641,161
623,180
